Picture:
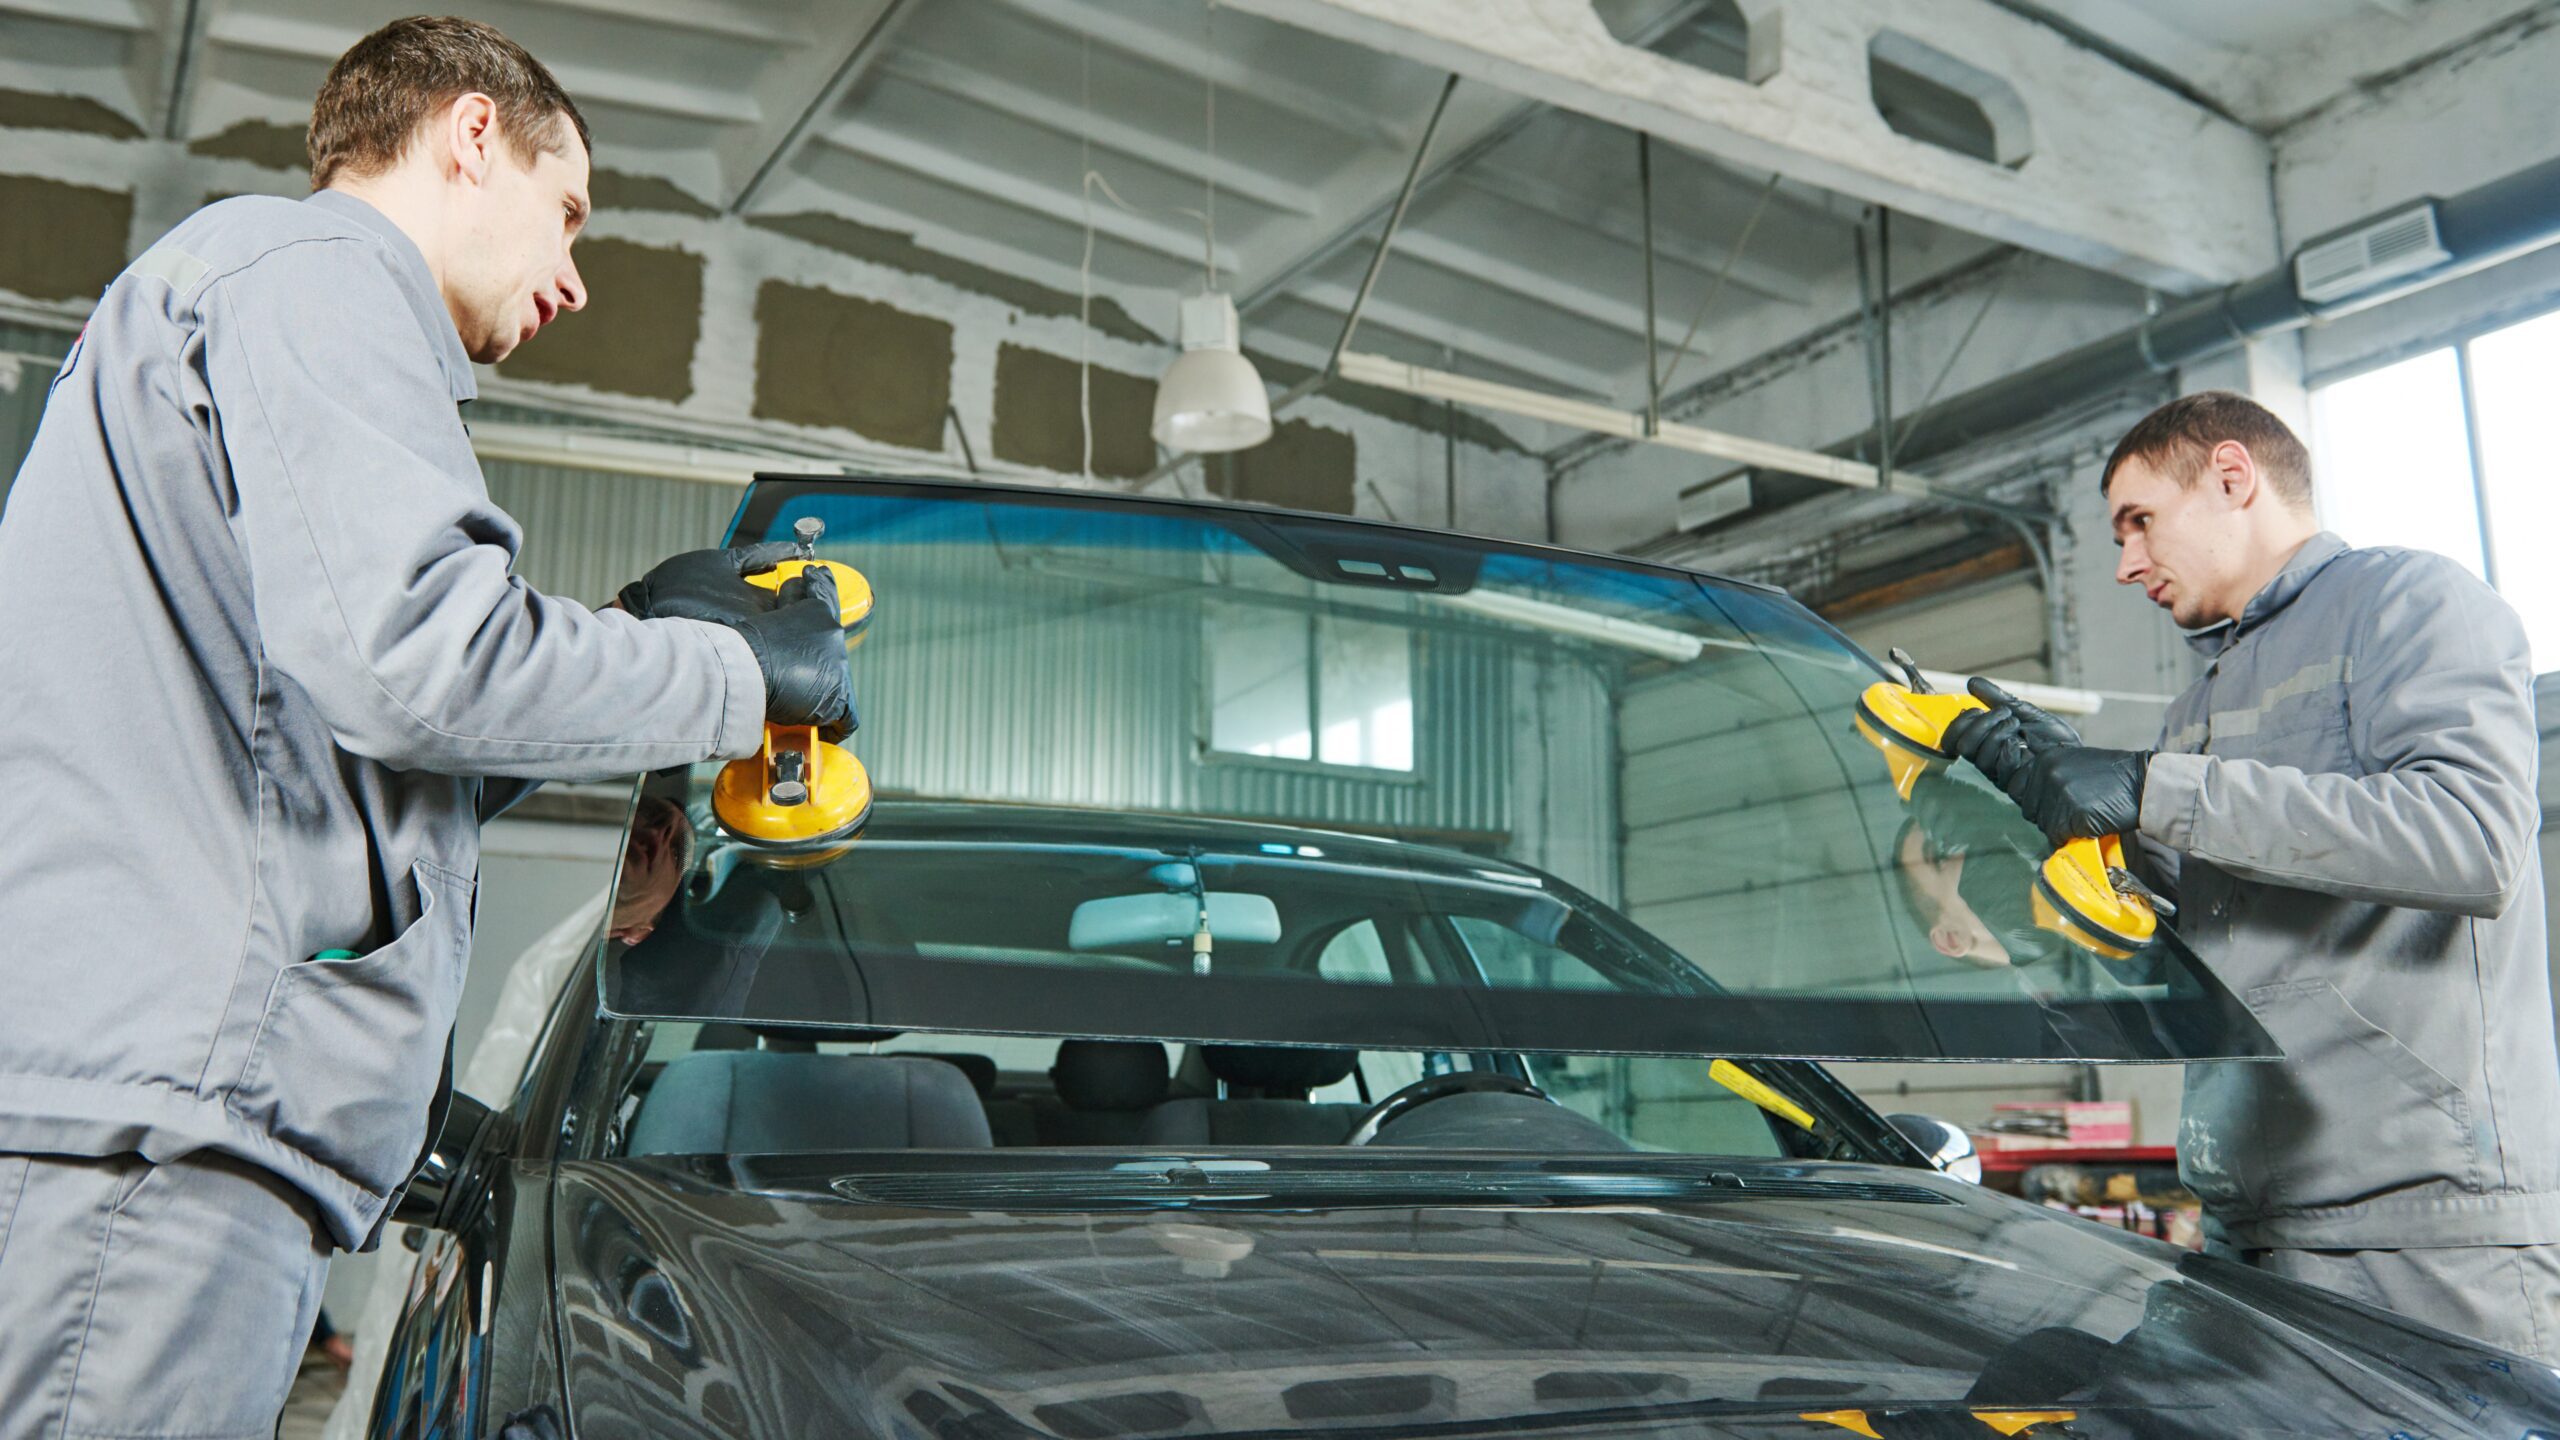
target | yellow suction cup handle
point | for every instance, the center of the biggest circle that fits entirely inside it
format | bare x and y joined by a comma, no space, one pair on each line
797,791
853,592
2077,899
1910,728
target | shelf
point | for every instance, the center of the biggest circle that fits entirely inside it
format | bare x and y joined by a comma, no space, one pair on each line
2093,1155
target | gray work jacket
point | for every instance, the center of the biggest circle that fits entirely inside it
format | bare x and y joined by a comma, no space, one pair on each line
2349,797
259,644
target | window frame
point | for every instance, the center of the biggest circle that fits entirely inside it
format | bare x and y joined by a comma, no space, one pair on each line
2459,340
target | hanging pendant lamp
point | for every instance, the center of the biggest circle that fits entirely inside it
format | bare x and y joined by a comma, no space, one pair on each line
1211,398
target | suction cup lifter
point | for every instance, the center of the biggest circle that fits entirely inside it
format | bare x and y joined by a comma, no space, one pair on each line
2083,892
801,795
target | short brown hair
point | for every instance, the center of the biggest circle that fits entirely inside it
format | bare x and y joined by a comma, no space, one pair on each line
391,81
2176,439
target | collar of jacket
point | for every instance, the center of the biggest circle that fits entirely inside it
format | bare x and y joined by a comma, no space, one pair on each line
2310,560
417,282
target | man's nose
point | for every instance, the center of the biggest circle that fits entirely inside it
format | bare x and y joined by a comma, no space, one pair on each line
2131,563
573,288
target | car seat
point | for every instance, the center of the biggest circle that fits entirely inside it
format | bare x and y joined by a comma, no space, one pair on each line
1266,1100
765,1102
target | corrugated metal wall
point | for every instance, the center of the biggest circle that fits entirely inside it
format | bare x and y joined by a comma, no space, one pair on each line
1565,774
22,390
587,534
986,677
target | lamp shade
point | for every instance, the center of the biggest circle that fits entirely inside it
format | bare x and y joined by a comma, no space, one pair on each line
1211,398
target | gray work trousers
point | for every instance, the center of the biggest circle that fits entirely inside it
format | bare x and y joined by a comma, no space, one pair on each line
141,1300
2505,1295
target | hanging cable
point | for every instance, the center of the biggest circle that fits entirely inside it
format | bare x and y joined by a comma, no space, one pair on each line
1209,221
1732,257
1084,269
1912,426
1095,180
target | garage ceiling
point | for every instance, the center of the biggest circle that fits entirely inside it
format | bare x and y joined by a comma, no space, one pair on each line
970,124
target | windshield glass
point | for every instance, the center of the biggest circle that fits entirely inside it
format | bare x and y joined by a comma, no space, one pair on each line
1156,770
1039,1092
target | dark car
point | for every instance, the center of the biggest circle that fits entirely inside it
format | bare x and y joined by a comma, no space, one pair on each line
1308,977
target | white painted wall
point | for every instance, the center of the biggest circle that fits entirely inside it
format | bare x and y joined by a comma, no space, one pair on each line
1402,467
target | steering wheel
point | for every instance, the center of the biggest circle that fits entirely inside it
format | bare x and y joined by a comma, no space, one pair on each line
1439,1087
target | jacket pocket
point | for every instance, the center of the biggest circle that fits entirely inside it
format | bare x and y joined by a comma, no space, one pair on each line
2307,732
347,1056
2348,1113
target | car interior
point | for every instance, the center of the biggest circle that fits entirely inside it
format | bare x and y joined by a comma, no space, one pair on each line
738,1089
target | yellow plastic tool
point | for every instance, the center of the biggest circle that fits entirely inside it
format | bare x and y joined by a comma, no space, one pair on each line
1752,1088
853,592
2077,898
799,794
1910,727
2079,895
2005,1422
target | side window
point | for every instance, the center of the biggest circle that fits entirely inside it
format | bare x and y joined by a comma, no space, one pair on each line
1356,956
1513,961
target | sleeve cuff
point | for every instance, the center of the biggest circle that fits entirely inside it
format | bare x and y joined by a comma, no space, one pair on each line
742,691
2172,792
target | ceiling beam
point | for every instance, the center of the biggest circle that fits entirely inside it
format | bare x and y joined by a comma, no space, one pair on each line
324,43
1138,142
124,15
1442,331
1113,25
721,19
1529,282
800,90
2122,176
1556,202
1480,121
1179,240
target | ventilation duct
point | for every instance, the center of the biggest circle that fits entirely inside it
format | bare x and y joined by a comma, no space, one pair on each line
2401,251
2362,257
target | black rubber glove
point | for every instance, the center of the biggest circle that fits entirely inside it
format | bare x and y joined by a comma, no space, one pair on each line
799,646
2075,792
2002,740
707,584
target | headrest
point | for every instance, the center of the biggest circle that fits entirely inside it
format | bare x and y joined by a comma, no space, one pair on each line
1278,1070
981,1069
760,1102
785,1039
1110,1074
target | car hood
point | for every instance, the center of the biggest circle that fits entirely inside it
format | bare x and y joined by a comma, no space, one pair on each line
1082,1297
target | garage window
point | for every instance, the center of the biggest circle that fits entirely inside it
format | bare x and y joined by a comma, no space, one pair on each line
2453,451
1320,688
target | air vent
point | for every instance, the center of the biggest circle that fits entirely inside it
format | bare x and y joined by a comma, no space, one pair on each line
2360,260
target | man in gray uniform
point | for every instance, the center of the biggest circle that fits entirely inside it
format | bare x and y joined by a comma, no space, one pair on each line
267,671
2344,808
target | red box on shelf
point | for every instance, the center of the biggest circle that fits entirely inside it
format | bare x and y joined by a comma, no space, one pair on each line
2060,1125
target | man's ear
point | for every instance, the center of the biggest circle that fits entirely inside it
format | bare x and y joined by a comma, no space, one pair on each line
470,134
2233,472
